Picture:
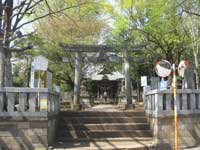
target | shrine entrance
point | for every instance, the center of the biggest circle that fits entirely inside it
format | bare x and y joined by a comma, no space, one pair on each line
105,89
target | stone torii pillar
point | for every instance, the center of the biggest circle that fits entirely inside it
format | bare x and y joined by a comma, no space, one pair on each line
77,82
128,86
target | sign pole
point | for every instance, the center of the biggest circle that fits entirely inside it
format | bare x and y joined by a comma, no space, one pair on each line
32,78
39,78
39,87
175,109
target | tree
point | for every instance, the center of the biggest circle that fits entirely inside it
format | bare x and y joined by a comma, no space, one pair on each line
191,25
156,24
80,25
14,17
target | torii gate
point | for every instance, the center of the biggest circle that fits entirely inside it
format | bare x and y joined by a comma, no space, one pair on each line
99,48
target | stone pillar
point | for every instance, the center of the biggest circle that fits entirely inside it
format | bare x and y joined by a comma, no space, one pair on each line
188,81
128,90
77,80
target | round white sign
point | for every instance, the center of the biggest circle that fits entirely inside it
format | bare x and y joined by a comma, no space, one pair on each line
163,68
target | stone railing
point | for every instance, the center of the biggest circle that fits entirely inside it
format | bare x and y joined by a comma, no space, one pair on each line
161,103
28,101
159,107
29,117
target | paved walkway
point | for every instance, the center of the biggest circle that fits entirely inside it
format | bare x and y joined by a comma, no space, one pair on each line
196,148
104,108
108,145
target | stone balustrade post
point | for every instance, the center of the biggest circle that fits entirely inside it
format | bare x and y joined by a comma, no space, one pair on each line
22,102
11,102
158,104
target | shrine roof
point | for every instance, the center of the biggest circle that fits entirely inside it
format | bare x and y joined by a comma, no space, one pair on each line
114,76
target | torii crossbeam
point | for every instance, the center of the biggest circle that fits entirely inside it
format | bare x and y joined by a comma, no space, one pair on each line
99,48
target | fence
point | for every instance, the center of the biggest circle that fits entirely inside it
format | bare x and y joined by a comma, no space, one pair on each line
28,102
161,103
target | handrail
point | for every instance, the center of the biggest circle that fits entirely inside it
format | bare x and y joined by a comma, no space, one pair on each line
159,103
28,102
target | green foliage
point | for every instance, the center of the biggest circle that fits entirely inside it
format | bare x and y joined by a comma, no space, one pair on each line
167,28
160,25
20,74
78,25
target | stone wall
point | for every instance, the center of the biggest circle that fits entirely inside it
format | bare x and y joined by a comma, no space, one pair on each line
23,133
52,128
18,133
188,131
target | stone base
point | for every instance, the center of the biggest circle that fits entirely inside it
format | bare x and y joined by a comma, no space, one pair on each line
127,106
77,107
85,102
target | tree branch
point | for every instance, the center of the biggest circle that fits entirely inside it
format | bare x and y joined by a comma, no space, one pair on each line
18,17
48,6
35,4
192,13
19,6
21,14
48,14
27,13
20,36
17,49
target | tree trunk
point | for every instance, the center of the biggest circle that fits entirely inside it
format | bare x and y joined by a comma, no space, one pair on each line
188,82
2,55
195,45
2,65
6,43
196,70
8,71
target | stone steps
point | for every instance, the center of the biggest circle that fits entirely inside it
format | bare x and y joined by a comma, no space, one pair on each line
69,140
104,134
103,114
105,128
100,120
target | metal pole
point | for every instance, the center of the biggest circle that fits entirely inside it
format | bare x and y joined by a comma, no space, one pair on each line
39,80
175,109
